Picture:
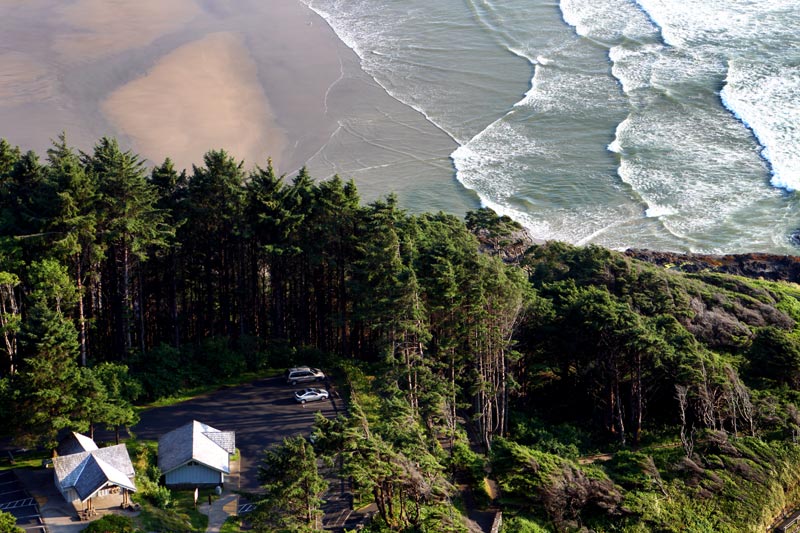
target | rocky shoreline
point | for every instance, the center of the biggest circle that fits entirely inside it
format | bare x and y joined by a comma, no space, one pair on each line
751,265
510,242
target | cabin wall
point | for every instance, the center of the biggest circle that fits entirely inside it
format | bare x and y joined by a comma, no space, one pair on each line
70,495
193,475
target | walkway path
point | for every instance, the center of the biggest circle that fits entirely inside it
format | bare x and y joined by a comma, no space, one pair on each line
220,510
226,505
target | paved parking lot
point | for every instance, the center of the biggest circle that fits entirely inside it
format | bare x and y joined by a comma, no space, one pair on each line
261,413
15,499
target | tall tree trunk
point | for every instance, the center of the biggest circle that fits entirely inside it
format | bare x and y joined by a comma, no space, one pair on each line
81,316
141,313
636,398
126,298
9,308
173,302
620,423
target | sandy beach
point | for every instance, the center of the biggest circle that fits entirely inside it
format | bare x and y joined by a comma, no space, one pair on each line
223,106
258,78
100,28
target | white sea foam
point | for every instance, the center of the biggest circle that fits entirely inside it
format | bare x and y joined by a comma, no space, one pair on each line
762,91
686,167
723,23
607,21
616,144
633,64
659,211
766,98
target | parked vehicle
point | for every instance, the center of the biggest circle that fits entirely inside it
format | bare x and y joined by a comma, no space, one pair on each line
303,374
310,395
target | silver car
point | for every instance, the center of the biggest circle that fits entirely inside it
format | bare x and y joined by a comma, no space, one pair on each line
310,395
301,374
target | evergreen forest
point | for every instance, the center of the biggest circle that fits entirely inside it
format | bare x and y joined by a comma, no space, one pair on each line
572,388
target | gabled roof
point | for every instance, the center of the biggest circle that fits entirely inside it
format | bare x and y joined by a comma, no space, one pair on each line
91,470
197,442
75,443
224,439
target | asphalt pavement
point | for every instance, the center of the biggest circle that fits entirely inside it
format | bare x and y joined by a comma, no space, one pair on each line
261,413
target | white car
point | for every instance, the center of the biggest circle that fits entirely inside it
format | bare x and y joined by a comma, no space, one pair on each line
311,395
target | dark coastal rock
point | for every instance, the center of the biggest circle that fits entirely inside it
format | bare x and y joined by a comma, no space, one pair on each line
753,265
509,247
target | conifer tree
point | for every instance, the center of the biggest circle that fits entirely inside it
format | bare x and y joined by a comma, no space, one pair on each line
73,227
47,381
213,235
293,487
130,223
163,272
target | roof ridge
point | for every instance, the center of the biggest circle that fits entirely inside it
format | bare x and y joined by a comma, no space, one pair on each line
107,468
78,470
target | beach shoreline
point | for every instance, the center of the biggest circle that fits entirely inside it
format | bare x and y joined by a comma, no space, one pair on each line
261,79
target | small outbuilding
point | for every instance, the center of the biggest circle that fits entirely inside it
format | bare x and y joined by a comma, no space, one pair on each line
82,471
195,455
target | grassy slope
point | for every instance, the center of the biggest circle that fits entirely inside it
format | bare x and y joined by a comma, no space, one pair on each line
743,484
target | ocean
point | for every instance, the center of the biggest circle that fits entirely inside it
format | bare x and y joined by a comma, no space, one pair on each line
662,124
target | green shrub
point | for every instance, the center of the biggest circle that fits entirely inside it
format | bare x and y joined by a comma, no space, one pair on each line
517,524
145,462
111,524
159,496
467,462
8,524
252,349
214,359
161,371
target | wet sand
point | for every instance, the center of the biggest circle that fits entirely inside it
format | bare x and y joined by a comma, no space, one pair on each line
259,78
203,95
23,79
99,28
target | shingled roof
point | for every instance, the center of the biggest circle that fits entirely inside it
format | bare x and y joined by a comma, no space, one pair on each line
91,470
75,443
197,442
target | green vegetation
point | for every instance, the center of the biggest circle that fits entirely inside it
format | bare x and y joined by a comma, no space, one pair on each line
27,459
232,525
162,510
111,524
122,285
8,523
292,488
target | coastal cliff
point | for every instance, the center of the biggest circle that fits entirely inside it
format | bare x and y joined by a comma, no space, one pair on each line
751,265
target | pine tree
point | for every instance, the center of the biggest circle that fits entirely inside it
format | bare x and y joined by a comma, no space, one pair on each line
129,224
47,381
213,236
293,487
73,227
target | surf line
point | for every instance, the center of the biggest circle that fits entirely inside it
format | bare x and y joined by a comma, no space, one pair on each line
728,103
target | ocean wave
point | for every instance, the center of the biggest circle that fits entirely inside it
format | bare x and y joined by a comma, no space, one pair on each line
619,133
656,211
607,21
634,65
766,99
686,169
730,24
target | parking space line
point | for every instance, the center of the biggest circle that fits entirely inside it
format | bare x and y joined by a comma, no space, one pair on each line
16,503
246,508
